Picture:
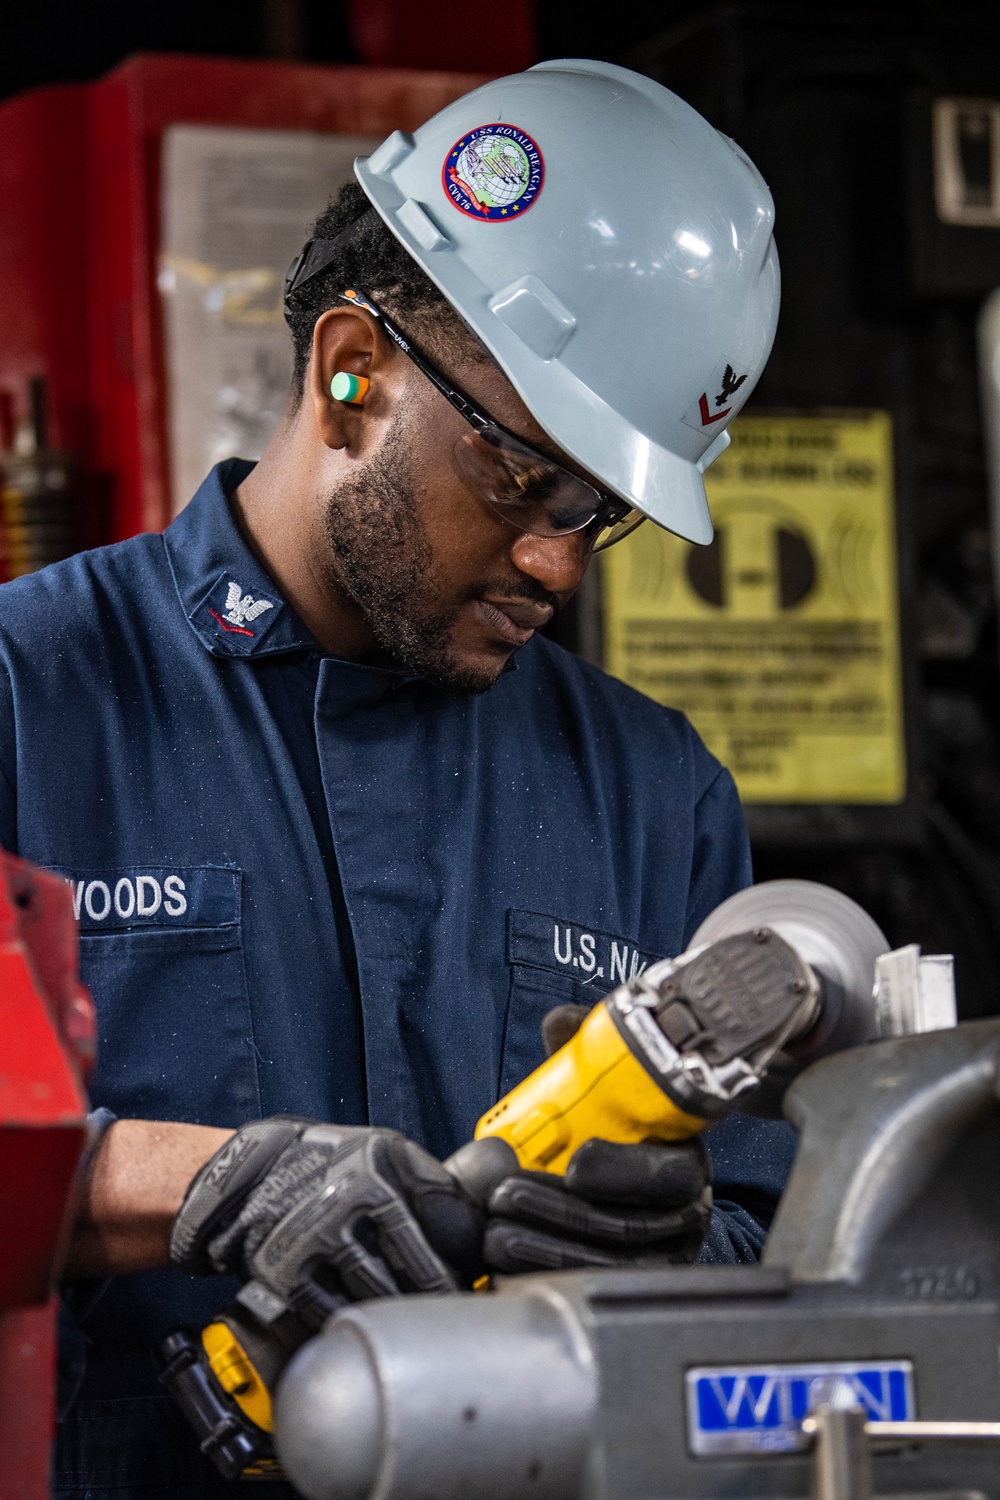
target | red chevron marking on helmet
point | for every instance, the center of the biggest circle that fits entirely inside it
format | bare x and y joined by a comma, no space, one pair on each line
706,416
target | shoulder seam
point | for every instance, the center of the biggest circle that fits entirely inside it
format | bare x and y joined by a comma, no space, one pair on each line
720,770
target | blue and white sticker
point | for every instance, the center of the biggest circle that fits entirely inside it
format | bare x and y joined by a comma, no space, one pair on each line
759,1408
494,173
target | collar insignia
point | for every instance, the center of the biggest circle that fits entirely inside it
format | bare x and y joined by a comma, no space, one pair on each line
241,608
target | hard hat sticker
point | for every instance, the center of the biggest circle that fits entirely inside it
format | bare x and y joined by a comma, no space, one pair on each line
493,172
718,399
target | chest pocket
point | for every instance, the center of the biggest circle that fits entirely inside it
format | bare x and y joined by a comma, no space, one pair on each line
555,962
161,949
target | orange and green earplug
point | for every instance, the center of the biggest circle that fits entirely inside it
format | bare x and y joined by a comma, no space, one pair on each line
349,388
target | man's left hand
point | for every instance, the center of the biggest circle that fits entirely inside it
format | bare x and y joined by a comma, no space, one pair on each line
617,1205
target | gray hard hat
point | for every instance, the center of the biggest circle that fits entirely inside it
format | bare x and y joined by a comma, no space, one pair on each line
614,253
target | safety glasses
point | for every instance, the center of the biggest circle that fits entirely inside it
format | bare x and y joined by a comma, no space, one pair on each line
524,487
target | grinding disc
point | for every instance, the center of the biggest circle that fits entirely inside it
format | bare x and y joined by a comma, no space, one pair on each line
835,936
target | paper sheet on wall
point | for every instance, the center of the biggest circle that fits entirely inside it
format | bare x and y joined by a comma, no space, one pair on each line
236,206
780,641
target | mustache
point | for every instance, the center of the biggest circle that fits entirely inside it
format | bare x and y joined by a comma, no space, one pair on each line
512,590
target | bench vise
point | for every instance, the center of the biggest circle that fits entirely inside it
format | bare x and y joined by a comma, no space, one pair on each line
876,1305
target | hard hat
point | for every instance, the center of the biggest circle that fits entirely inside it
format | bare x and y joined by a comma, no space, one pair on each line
613,252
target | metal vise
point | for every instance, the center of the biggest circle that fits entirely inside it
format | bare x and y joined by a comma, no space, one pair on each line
878,1295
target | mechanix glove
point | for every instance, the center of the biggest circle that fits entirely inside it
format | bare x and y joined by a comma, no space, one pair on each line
322,1214
641,1204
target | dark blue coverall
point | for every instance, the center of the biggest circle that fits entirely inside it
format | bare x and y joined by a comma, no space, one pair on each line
310,886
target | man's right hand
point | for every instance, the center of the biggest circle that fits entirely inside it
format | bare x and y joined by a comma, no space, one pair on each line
319,1214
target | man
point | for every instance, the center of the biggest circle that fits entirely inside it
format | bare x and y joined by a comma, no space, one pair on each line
342,827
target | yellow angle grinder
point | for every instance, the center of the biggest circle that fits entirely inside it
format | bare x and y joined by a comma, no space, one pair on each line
776,977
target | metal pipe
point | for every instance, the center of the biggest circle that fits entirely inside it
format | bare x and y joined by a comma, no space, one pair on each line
920,1432
842,1461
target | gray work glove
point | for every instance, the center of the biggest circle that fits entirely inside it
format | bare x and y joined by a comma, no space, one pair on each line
617,1205
321,1214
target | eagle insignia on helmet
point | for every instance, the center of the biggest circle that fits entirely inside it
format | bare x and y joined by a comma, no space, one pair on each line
709,409
731,383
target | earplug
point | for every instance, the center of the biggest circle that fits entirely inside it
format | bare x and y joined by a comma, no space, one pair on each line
349,388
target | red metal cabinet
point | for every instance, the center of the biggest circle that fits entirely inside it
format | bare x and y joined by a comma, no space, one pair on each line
79,237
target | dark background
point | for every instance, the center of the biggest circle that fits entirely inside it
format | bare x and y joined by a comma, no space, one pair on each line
63,41
879,309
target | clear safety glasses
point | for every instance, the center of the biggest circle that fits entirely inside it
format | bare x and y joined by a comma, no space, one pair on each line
525,488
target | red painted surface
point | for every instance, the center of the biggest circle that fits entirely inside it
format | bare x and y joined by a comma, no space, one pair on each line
46,1046
445,34
79,237
27,1408
43,231
46,1041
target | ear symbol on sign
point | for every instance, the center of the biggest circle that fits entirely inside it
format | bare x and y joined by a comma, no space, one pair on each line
349,388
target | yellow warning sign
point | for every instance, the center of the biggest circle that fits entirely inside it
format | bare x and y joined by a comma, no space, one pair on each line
780,641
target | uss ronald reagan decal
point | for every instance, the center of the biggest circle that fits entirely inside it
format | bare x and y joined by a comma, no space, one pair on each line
494,173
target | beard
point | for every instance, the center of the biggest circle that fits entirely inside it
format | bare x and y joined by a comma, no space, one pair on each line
379,554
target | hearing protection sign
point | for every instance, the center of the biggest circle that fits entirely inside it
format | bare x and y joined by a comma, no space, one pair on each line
780,640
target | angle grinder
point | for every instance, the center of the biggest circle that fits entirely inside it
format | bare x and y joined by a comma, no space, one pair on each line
781,974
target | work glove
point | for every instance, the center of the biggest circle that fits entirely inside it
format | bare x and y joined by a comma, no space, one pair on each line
323,1214
617,1205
